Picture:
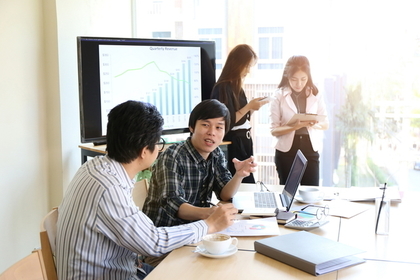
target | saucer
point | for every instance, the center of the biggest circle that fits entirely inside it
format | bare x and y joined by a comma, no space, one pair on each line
300,199
202,251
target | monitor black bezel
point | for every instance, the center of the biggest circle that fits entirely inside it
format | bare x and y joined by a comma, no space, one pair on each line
89,82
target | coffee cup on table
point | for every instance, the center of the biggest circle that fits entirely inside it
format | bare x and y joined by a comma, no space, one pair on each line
310,194
218,243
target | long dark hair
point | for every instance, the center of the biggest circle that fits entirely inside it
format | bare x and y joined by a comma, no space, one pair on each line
237,61
294,64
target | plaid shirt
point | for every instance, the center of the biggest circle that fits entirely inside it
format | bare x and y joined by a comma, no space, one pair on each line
181,175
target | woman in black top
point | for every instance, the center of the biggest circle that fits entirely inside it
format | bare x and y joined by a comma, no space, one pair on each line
228,89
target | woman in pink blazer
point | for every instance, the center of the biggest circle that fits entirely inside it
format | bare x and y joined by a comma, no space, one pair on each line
297,94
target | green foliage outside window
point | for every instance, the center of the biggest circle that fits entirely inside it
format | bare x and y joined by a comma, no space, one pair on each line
145,174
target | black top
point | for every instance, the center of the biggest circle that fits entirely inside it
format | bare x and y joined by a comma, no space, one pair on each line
228,100
300,101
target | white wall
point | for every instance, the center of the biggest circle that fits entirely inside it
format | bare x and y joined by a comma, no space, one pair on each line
39,112
111,18
23,144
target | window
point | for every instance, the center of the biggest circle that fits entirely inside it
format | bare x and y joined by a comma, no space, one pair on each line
270,48
161,34
213,34
358,57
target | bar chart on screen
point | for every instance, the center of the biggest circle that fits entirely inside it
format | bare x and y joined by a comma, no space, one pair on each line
167,77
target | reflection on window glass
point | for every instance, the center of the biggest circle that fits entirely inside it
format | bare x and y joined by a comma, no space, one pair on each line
277,48
269,66
161,34
263,48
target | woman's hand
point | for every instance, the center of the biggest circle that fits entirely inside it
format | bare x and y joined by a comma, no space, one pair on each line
256,103
282,130
299,124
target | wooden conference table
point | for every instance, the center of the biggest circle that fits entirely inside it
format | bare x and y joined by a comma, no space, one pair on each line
394,256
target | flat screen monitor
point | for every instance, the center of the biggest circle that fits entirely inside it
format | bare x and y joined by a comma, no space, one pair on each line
173,75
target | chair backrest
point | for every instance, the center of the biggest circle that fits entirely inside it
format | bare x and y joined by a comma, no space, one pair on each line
48,234
140,192
28,268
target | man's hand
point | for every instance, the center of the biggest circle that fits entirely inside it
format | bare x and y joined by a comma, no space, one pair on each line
222,218
246,167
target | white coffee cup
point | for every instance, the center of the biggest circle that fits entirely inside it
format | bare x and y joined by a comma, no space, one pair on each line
310,193
218,243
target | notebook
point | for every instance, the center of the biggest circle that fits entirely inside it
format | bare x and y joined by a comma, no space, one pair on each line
251,203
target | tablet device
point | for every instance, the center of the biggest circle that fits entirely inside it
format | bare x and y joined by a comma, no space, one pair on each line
306,117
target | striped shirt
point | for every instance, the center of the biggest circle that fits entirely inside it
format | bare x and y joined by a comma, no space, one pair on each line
100,231
181,175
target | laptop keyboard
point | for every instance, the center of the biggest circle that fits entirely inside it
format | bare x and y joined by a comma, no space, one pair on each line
265,200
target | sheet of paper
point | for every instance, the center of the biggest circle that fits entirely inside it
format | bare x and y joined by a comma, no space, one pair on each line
253,227
363,193
346,209
337,208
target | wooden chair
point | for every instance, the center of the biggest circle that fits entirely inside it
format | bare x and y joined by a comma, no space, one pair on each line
28,268
48,234
140,192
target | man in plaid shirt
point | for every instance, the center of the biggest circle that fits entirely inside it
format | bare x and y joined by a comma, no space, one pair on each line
185,175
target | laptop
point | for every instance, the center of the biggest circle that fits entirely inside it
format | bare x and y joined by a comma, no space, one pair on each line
254,203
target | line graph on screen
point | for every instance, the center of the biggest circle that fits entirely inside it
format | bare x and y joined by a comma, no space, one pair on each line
168,77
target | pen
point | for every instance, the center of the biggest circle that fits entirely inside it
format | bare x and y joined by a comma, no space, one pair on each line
211,203
380,207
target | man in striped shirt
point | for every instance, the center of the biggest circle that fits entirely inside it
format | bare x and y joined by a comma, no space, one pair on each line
100,231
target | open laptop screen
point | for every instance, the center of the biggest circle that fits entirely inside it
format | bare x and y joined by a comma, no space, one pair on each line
293,179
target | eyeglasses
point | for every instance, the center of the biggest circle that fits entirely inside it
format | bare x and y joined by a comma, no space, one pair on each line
161,144
320,212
